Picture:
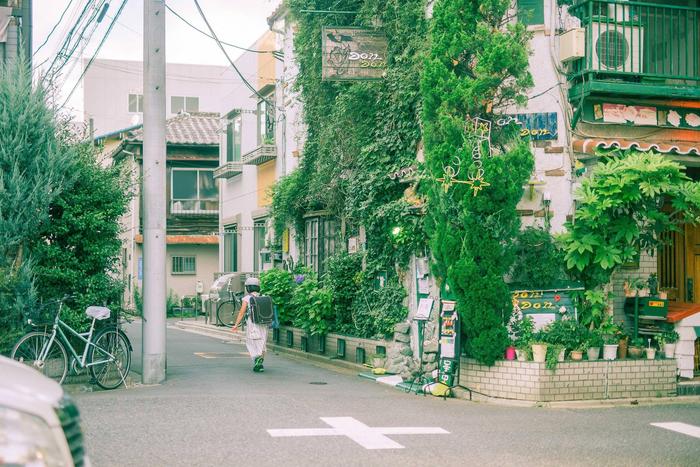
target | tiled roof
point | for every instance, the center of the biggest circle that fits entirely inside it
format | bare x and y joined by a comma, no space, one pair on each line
196,128
589,145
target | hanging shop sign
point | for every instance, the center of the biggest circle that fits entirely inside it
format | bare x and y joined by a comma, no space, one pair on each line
641,115
535,126
353,54
449,344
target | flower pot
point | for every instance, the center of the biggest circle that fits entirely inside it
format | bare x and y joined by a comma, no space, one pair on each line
635,352
576,355
609,351
669,350
663,295
539,352
562,355
593,353
622,349
521,354
651,354
510,353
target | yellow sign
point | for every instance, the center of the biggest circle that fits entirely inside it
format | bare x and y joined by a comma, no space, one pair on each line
656,304
285,241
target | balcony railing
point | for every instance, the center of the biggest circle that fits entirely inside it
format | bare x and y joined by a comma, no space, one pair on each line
228,170
639,42
260,155
194,207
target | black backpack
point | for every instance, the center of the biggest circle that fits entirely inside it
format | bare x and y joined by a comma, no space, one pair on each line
261,310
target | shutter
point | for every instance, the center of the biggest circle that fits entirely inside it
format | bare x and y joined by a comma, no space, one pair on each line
531,11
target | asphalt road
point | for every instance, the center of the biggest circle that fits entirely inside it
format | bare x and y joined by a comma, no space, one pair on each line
216,411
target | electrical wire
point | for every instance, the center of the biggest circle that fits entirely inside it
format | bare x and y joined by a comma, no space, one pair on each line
55,26
218,42
104,39
67,41
276,53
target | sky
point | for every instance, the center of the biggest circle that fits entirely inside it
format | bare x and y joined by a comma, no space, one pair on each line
239,22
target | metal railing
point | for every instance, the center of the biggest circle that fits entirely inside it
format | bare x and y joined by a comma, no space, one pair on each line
228,170
260,155
195,207
626,39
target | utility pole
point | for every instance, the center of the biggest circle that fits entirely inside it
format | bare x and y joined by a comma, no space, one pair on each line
154,356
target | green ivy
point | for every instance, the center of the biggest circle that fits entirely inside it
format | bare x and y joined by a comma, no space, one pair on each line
539,262
476,65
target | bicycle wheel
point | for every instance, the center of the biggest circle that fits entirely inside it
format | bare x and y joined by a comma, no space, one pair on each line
110,358
226,312
28,350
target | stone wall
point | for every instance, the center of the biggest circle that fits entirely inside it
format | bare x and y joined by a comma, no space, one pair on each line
582,380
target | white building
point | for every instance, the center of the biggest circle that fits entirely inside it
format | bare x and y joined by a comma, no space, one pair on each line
113,91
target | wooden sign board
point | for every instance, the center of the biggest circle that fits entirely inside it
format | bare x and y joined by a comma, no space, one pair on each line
353,54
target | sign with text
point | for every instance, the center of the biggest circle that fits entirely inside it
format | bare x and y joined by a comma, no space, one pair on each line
353,54
449,344
642,115
545,305
536,126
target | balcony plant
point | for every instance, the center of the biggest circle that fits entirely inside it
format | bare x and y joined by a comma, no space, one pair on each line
593,345
667,342
636,347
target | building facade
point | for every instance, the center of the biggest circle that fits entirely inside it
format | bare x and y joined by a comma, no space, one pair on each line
15,29
113,92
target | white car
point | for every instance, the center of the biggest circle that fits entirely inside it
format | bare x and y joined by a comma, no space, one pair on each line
39,423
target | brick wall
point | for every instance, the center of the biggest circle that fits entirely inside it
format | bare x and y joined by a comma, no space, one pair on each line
647,265
582,380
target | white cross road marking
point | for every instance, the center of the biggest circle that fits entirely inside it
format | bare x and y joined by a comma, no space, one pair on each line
684,428
365,436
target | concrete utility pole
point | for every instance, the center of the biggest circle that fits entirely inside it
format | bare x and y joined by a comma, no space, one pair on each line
154,192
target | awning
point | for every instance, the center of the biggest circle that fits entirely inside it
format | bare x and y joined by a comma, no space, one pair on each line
589,146
680,310
185,239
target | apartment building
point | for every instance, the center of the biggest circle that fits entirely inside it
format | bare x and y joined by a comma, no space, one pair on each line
15,29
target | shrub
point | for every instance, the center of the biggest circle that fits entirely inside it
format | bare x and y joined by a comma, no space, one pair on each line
341,272
279,285
538,261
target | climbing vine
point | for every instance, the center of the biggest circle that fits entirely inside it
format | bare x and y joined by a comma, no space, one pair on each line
476,66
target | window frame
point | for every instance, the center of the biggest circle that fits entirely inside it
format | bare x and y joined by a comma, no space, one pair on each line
233,138
259,235
231,248
320,241
265,116
198,199
183,262
185,107
139,103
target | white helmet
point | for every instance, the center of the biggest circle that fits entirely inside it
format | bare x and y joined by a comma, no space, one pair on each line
252,281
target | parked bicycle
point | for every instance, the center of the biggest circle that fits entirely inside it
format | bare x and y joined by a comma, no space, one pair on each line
227,311
107,352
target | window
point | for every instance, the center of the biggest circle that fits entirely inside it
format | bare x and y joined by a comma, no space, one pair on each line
194,191
135,102
531,11
231,248
233,139
266,120
319,242
184,104
259,232
184,265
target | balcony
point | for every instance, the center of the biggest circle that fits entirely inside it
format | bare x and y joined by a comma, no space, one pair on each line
228,170
637,48
194,207
260,155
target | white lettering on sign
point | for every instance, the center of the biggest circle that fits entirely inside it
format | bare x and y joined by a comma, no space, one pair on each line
365,436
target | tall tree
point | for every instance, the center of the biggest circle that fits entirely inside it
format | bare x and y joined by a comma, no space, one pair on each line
477,65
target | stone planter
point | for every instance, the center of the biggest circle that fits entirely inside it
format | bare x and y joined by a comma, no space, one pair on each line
651,354
576,355
539,353
669,350
593,353
610,351
635,352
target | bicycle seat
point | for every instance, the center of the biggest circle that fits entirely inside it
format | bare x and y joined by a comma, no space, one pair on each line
98,312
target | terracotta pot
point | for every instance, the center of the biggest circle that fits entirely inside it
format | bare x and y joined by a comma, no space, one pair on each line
539,352
593,353
635,352
510,353
669,350
622,349
609,351
576,355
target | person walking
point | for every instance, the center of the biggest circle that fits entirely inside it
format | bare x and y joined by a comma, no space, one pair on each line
255,334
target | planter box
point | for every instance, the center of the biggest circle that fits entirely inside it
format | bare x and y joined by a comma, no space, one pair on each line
334,344
584,380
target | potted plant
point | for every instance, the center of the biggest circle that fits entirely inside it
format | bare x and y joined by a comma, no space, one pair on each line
593,345
642,288
667,342
555,354
653,284
522,351
378,360
577,353
622,345
539,348
651,352
610,344
636,347
521,332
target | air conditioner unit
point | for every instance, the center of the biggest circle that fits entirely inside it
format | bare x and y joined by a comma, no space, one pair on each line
616,47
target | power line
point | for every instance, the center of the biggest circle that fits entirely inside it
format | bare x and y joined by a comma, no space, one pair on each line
104,39
69,36
273,52
55,26
218,42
